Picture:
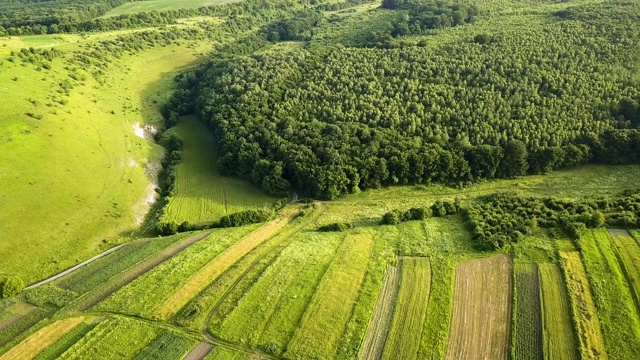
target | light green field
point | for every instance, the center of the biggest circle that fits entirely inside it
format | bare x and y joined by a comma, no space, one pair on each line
558,333
163,5
202,194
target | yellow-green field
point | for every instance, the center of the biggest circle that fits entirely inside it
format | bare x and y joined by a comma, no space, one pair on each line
163,5
202,195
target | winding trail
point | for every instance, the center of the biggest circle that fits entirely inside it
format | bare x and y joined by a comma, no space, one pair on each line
72,269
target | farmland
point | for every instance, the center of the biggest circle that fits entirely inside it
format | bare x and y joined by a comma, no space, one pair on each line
481,309
320,180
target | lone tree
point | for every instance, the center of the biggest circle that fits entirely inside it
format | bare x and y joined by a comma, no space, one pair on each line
514,162
10,286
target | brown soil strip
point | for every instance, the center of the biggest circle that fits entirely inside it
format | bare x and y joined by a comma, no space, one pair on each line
102,292
381,320
199,351
481,319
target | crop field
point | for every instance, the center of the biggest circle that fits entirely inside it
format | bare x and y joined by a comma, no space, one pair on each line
42,339
558,331
628,251
583,307
410,310
612,295
382,315
137,297
527,313
329,310
201,194
167,346
481,319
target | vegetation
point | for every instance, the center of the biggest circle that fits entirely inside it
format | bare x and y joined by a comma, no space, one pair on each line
62,344
558,330
167,346
410,310
42,339
527,324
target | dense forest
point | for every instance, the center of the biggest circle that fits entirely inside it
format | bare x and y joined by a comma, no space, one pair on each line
329,120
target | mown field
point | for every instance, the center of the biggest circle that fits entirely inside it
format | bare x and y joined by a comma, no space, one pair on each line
201,194
162,5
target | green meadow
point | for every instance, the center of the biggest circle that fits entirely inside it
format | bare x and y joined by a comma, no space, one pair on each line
163,5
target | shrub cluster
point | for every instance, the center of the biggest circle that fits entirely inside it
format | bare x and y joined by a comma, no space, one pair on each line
338,226
246,217
505,218
437,209
10,286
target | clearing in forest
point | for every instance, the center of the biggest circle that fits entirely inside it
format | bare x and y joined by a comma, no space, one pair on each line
481,319
559,334
382,315
331,307
42,339
410,311
211,271
527,342
583,307
201,193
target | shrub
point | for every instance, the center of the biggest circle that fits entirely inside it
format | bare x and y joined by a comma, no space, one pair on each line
391,218
339,226
246,217
10,286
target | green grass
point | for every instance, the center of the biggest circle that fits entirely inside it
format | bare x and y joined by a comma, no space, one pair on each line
99,271
59,347
410,312
81,169
267,314
330,308
202,194
223,353
167,346
141,296
583,307
114,338
613,298
628,251
527,331
163,5
10,334
558,329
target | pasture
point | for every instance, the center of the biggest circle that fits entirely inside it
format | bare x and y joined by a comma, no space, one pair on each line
163,5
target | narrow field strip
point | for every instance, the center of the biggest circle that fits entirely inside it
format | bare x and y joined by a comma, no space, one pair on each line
612,294
301,262
19,326
103,291
54,351
41,339
629,252
114,338
168,345
140,296
211,271
382,315
481,319
583,307
527,342
558,334
403,341
330,308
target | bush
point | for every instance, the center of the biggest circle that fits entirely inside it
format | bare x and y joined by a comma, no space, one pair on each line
246,217
339,226
391,218
10,286
167,228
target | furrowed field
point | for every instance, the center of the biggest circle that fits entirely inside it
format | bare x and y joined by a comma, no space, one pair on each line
319,180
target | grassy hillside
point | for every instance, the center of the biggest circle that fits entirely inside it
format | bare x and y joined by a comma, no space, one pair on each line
76,173
202,195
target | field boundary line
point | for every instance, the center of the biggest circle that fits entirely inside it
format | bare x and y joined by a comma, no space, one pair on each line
74,268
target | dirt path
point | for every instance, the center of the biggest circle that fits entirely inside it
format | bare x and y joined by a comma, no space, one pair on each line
102,292
381,319
70,270
199,351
